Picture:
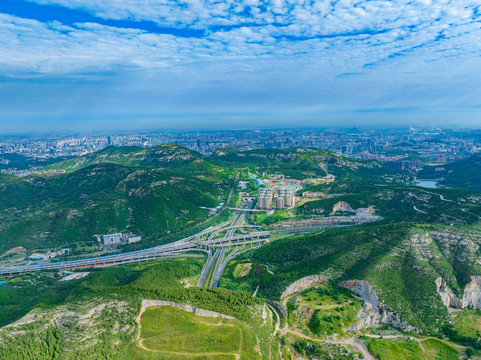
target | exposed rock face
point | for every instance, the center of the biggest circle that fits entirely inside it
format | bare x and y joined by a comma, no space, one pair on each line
196,311
472,294
458,246
447,296
168,153
304,283
343,207
374,312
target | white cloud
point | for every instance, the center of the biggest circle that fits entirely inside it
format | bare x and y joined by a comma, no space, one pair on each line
363,48
354,33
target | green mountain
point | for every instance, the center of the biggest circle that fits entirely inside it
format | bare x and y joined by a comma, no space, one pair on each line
107,304
61,210
464,173
175,158
401,261
166,156
300,163
110,154
390,285
404,203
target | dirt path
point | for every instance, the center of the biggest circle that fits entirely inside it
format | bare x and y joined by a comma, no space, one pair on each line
420,341
237,356
422,212
385,336
354,342
443,199
418,198
460,347
141,343
440,196
148,303
421,346
357,344
278,323
268,270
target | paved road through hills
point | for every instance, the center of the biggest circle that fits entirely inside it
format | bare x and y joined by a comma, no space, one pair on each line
190,246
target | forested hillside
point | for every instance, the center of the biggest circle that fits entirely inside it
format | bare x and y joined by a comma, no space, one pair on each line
464,173
58,210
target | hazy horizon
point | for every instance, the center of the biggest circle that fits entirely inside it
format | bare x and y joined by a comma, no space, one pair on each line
97,65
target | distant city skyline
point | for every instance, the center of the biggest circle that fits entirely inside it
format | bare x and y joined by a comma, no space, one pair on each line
76,65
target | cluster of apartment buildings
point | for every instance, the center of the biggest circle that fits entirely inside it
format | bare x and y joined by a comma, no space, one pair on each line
275,198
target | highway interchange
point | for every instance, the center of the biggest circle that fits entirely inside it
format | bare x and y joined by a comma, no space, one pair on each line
220,244
231,237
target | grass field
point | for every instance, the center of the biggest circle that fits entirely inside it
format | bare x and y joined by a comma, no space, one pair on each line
436,349
323,310
242,270
468,324
430,349
174,332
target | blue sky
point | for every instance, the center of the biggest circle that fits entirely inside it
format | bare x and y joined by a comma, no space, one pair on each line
98,64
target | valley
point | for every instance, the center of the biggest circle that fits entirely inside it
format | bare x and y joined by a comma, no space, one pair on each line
355,266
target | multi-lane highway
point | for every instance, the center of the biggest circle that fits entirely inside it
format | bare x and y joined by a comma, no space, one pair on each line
196,245
232,237
222,243
238,224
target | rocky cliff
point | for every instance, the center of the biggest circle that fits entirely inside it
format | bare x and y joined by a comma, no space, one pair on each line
447,296
196,311
304,283
472,294
374,312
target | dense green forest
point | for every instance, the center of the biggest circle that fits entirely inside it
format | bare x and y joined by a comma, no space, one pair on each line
464,173
60,210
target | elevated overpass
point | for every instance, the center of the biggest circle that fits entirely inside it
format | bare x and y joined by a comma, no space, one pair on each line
199,244
238,237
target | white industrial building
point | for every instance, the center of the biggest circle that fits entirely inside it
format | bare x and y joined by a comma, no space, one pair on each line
111,241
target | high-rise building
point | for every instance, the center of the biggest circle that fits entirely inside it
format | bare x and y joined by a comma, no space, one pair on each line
279,203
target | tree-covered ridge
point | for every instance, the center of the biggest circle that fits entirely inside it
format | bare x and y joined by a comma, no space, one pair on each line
300,163
106,303
296,162
110,154
54,211
401,203
147,191
172,157
402,261
464,173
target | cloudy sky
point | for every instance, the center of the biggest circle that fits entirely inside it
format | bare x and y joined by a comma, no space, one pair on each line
108,64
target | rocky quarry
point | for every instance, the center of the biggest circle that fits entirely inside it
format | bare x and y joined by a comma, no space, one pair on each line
374,313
